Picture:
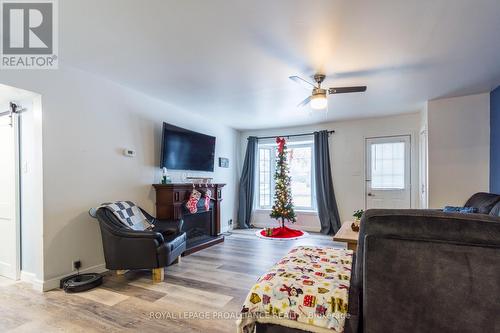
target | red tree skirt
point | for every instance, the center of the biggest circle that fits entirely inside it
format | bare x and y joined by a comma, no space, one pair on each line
283,232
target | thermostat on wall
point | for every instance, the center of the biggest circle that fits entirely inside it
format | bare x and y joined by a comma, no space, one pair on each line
129,152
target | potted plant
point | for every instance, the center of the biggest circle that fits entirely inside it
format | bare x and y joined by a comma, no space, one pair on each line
357,215
357,218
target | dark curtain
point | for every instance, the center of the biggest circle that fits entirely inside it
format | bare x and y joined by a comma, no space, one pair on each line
247,185
325,196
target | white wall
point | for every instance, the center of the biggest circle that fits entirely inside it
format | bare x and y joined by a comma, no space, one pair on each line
347,156
459,141
87,121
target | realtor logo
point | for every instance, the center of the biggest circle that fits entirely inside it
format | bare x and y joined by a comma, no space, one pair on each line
29,34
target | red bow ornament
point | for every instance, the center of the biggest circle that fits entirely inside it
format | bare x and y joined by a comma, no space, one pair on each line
281,144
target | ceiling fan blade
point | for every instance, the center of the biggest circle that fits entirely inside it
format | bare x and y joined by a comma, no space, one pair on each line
304,102
306,84
344,90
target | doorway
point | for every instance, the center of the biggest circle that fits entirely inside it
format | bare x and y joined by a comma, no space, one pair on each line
10,212
388,172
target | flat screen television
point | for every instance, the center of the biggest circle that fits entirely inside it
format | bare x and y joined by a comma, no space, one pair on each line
182,149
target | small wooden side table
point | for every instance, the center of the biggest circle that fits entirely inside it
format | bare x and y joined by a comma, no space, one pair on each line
347,235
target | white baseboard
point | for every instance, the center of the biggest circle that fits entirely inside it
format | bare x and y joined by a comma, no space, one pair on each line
54,282
29,277
7,270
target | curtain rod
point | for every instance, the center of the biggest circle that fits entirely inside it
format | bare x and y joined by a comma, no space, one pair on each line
288,136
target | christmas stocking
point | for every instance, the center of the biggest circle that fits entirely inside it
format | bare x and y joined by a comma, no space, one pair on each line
192,203
208,196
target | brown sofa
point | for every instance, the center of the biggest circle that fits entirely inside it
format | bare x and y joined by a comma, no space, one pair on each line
428,271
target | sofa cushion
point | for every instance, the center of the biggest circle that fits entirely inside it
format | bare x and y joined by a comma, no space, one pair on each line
484,202
462,210
495,211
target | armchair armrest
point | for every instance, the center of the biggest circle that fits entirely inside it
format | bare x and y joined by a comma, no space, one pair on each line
141,234
162,225
174,226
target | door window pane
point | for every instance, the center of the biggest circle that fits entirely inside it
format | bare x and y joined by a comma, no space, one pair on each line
388,165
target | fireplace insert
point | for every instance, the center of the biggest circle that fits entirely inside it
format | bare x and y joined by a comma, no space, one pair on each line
199,227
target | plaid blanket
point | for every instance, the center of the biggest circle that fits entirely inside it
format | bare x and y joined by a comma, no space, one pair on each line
308,289
129,214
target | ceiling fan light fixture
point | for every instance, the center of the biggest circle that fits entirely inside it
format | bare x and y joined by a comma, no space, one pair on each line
317,99
319,102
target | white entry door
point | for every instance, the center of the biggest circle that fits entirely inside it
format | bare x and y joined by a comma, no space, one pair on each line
388,172
9,194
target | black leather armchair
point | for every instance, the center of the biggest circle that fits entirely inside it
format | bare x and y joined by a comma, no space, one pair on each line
126,249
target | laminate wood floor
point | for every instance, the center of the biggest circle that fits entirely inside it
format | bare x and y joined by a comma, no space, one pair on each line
203,293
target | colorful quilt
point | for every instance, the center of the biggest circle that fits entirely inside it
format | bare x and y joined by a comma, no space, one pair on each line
307,289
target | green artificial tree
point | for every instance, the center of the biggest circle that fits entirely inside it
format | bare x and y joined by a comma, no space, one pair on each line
283,205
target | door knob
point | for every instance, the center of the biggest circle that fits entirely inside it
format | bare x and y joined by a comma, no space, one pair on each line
371,195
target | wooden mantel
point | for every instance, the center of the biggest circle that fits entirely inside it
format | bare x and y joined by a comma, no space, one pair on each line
171,197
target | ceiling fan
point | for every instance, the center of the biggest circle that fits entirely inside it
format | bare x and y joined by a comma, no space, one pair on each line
318,98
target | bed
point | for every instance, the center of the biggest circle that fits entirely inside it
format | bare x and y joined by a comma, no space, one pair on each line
306,291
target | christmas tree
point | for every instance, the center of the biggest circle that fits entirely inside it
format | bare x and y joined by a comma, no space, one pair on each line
283,206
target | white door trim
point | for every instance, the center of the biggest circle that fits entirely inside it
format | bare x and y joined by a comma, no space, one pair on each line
423,185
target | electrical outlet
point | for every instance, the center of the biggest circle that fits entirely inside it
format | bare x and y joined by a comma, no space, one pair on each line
77,264
129,152
230,222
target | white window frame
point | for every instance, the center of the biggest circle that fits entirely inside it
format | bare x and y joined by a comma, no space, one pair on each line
271,177
273,147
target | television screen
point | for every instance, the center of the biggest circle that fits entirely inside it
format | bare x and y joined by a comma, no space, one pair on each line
183,149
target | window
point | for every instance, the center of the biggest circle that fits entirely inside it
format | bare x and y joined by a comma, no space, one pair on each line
388,165
265,177
300,162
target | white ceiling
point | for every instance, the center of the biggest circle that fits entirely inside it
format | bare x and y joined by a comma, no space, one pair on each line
11,94
230,60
